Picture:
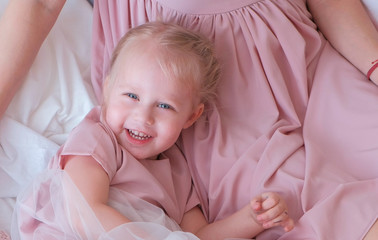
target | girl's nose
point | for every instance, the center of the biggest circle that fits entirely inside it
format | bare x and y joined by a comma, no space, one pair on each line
145,116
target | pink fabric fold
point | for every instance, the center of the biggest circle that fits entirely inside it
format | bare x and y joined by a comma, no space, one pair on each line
340,132
279,76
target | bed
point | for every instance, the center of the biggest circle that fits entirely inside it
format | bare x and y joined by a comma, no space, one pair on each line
56,96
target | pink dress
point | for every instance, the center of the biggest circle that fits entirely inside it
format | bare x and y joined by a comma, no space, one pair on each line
144,191
291,116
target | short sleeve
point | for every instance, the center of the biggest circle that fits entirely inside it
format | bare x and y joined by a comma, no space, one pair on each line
93,138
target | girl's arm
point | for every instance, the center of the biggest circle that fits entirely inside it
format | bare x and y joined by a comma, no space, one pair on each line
264,211
239,225
23,27
347,26
93,182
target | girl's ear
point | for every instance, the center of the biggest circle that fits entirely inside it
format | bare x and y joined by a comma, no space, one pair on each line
195,115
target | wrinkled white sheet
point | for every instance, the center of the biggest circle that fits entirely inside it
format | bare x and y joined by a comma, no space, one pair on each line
57,94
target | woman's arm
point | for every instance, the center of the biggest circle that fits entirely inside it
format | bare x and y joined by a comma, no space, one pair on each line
23,28
93,183
347,26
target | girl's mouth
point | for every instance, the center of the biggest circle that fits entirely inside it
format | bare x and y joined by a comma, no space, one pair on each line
138,135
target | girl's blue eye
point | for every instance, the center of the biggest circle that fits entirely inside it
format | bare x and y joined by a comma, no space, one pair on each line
132,95
164,105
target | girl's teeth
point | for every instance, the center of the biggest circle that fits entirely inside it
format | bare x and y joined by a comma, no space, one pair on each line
138,135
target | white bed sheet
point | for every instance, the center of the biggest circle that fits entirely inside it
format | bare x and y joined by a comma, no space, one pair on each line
54,98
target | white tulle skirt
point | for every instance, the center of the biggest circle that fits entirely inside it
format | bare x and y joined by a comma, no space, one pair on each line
53,208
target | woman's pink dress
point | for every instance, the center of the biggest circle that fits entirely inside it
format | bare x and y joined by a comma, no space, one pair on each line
292,116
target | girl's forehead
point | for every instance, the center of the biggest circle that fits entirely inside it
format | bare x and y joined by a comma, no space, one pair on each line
179,69
147,66
176,71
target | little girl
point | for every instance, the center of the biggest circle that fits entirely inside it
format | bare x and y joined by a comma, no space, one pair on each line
120,173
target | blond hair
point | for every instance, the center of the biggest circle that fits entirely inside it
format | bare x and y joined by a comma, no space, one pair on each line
183,55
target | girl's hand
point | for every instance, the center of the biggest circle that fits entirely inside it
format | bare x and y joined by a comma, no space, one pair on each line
270,210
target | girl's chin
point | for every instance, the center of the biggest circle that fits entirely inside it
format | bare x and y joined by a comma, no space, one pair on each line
140,156
139,152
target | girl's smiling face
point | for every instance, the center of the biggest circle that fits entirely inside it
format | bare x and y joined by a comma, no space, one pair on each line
145,109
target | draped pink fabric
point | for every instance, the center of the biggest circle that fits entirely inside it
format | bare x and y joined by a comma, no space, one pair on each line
340,193
291,116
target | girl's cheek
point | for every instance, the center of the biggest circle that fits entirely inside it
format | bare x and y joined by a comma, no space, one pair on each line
113,119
